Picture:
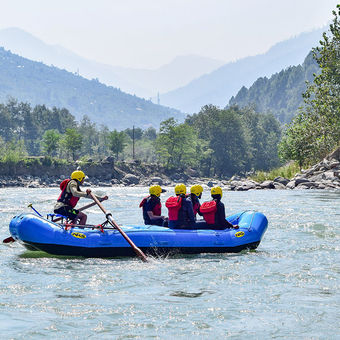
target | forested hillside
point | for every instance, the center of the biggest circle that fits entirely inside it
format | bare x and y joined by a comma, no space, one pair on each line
36,83
280,94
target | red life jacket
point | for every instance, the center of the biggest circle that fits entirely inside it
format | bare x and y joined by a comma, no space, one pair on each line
208,210
157,210
173,204
67,197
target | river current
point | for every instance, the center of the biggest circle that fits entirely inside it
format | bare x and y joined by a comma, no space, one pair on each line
288,288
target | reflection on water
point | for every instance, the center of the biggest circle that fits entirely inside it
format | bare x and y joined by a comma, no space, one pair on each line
287,288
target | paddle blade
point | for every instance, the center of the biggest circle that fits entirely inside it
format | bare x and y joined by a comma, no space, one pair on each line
140,254
8,240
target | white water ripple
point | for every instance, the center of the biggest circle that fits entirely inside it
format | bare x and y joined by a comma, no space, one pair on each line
288,288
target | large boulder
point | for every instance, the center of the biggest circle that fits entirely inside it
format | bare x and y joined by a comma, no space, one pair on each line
210,184
267,185
300,180
307,185
130,179
281,180
279,186
329,175
156,180
335,155
245,185
291,184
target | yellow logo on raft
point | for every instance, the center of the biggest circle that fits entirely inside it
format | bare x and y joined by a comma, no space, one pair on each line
78,235
239,234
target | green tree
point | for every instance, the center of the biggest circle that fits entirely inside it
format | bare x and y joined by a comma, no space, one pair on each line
6,126
316,131
175,144
72,142
12,151
117,142
90,136
50,142
150,133
137,131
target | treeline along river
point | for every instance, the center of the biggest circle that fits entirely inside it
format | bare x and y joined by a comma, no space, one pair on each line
287,288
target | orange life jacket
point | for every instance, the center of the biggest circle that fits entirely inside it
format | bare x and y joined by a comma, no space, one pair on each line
173,204
208,210
157,210
67,197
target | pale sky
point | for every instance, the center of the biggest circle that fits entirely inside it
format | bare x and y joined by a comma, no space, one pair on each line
150,33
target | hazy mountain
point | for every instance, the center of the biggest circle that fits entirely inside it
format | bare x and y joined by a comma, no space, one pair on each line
220,85
37,83
179,72
144,83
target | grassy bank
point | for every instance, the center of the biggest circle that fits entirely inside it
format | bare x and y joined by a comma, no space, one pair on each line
286,171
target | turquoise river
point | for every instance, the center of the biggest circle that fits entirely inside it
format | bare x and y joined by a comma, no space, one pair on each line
289,288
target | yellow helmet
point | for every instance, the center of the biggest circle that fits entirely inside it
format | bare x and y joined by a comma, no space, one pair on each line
196,189
78,175
216,191
156,190
180,189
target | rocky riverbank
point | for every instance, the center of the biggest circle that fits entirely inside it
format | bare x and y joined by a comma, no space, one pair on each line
324,175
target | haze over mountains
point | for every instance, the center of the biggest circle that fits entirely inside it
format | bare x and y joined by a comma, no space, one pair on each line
220,85
38,83
141,82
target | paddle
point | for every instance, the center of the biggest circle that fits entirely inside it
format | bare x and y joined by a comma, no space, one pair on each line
31,206
8,240
138,252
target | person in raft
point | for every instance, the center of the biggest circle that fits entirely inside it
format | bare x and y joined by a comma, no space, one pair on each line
152,207
181,213
214,212
70,195
195,195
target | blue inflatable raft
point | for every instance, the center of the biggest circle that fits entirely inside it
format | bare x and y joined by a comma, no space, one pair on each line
37,233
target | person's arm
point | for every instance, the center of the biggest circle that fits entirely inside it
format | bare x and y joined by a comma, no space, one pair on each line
86,194
221,216
72,186
190,210
153,216
199,211
149,210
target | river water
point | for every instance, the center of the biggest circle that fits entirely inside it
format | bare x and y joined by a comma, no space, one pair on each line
288,288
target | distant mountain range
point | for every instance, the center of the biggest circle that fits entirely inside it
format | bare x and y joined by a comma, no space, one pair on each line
141,82
220,85
36,83
281,94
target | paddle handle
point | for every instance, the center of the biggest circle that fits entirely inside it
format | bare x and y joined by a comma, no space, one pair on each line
138,252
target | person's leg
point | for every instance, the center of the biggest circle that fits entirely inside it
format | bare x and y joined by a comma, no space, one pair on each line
158,221
82,218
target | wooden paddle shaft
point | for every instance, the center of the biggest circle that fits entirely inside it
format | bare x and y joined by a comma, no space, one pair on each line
138,252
